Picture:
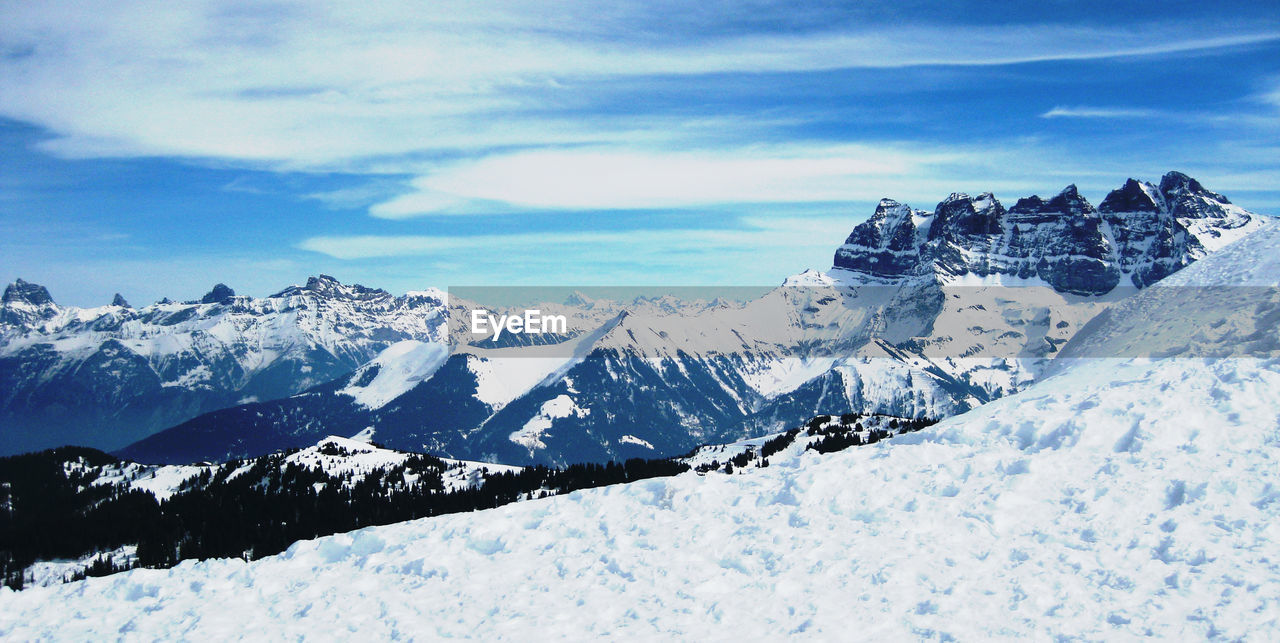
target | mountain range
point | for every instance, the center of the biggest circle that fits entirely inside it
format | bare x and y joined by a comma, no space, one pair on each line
1112,499
923,314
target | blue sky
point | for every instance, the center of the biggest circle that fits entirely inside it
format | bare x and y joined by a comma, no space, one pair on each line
154,149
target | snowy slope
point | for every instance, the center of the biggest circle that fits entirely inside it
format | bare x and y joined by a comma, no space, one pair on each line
1115,499
394,371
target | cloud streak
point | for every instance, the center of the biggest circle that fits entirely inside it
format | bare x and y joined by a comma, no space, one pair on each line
619,179
623,179
1098,112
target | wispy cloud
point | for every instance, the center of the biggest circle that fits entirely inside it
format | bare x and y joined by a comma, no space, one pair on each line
613,179
370,193
628,179
1099,112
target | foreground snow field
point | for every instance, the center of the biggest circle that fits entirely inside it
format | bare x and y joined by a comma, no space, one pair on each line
1143,500
1119,497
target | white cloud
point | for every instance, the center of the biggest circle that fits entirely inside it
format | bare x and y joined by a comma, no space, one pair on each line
607,179
342,85
1098,112
623,178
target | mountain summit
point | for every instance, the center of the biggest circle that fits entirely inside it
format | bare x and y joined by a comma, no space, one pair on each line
26,293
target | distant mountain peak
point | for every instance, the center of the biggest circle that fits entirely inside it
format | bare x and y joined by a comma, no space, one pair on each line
220,294
1175,184
26,292
579,298
1133,196
119,300
329,287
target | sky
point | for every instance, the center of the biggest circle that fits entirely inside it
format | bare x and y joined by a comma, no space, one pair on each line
154,149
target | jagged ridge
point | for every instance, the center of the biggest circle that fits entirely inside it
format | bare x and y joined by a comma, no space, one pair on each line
1138,235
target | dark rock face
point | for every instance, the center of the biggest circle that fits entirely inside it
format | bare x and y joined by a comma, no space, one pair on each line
25,304
328,287
886,244
119,300
28,293
1132,197
961,216
1140,231
1062,243
1188,199
220,294
1159,230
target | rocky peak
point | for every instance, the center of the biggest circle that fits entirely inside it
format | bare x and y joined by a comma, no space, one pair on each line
1186,198
885,244
1068,202
961,215
1177,184
220,294
1134,196
330,288
27,293
119,300
887,206
1159,230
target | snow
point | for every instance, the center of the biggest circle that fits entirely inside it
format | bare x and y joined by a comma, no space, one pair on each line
504,374
558,407
162,481
358,459
784,375
798,448
55,572
1217,234
631,439
1093,505
501,380
1114,499
401,367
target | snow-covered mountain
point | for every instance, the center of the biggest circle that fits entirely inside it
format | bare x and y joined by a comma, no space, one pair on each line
1091,505
1138,235
923,315
108,376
